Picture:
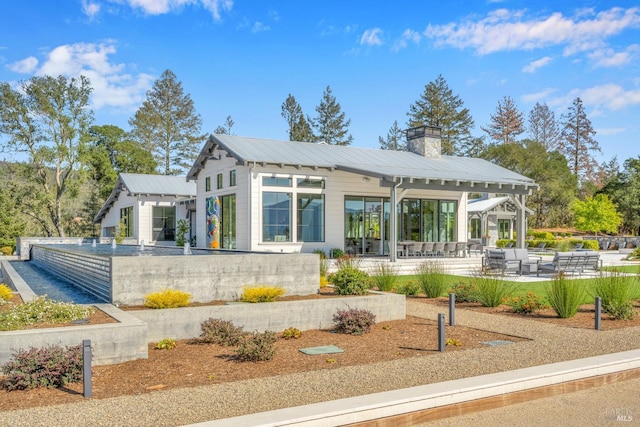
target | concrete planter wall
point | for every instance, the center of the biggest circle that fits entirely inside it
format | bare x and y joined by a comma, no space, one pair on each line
214,277
128,340
111,343
181,323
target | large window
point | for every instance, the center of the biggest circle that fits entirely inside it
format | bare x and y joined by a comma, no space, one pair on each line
164,223
427,220
126,218
228,221
276,217
310,217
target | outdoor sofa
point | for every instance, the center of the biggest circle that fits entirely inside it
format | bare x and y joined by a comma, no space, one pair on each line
516,260
571,262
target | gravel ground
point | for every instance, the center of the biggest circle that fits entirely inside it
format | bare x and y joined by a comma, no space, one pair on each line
550,343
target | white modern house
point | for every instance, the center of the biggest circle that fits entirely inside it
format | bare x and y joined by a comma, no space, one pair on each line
283,196
149,207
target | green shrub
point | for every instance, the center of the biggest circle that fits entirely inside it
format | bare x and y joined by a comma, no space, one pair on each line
290,333
431,278
5,293
617,293
635,254
257,347
385,276
464,292
42,310
51,367
6,250
336,253
255,294
541,235
181,230
353,321
410,288
221,332
526,304
167,298
165,344
565,296
349,279
491,290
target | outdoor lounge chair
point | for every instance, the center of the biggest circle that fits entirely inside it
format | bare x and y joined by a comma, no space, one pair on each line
571,262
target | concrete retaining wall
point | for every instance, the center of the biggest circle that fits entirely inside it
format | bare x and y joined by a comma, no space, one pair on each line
214,277
111,343
181,323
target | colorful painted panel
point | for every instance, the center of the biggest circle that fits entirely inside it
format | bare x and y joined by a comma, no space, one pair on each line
213,222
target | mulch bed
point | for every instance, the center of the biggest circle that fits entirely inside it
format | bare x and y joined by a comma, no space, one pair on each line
584,318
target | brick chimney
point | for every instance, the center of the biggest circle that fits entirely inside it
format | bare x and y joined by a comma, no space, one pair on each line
425,141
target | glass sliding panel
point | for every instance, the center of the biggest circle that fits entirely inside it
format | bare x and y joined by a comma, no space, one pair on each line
164,223
228,221
447,221
410,220
353,225
504,229
126,216
310,217
373,226
475,228
430,220
276,217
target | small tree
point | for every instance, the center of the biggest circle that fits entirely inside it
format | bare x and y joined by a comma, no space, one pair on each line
395,139
596,214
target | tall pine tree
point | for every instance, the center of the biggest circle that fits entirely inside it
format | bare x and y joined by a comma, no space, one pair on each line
299,128
438,106
543,126
331,124
507,123
395,139
577,141
168,125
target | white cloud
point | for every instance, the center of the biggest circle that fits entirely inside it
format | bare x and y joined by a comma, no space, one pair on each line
24,66
505,30
408,35
538,96
608,96
534,65
112,85
91,9
161,7
610,58
259,27
371,37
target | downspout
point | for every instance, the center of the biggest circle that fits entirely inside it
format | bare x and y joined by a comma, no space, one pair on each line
249,196
393,238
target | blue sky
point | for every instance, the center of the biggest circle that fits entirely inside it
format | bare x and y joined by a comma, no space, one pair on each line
242,58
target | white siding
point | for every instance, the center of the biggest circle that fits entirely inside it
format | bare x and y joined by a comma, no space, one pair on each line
338,185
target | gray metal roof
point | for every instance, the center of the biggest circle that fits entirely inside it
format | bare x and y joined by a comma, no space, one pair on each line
137,183
413,170
483,205
149,185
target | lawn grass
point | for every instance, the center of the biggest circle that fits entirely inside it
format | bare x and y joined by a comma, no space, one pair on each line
522,288
633,269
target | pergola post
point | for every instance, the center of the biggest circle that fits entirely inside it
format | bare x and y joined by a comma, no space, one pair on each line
521,218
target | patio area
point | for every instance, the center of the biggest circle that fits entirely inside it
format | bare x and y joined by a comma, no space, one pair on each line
470,265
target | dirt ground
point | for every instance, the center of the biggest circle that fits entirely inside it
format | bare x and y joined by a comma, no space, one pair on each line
191,364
